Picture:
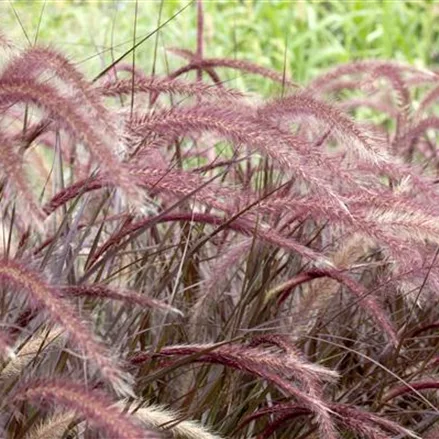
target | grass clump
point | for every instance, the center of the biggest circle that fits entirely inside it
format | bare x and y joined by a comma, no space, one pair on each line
184,259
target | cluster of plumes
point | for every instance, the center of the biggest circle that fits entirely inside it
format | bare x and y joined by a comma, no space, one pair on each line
162,234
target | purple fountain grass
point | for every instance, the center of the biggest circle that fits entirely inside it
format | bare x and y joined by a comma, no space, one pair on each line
366,424
125,67
388,218
372,103
243,225
364,298
68,114
419,128
236,64
337,86
5,43
423,328
304,104
293,153
12,169
428,100
432,433
72,191
92,405
45,296
189,55
172,217
311,374
372,222
279,409
200,38
158,179
157,85
5,346
414,386
425,147
326,79
54,427
259,363
43,133
394,77
237,124
29,351
206,296
165,419
126,296
292,364
256,217
241,126
370,150
183,53
34,131
409,177
30,63
286,288
178,183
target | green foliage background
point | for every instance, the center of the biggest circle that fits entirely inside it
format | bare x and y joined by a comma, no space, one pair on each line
308,35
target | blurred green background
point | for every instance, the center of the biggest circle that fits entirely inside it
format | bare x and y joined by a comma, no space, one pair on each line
309,36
